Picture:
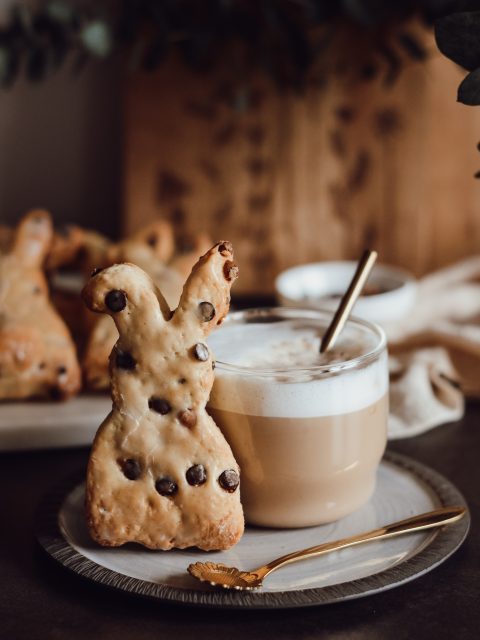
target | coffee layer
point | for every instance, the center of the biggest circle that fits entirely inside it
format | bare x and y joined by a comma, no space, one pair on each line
322,468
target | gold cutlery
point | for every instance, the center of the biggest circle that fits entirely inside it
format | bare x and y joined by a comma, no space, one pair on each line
218,574
348,300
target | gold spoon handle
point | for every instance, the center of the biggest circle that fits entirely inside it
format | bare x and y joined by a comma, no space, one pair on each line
350,297
428,520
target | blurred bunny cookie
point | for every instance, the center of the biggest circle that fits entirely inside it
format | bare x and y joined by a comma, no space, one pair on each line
160,471
37,355
155,242
168,261
74,247
188,248
6,234
67,243
150,248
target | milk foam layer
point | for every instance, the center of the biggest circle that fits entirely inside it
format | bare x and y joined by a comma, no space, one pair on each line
299,390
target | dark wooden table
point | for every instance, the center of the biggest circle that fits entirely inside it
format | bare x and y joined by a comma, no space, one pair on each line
39,599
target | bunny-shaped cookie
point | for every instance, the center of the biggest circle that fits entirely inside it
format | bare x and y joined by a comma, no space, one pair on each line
160,471
153,243
37,355
6,234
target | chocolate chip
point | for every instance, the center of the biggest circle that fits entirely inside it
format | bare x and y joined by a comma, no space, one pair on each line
229,480
64,230
61,371
230,270
201,352
56,393
159,405
196,475
225,248
166,487
207,311
125,360
213,364
182,381
152,240
131,469
116,300
96,271
188,418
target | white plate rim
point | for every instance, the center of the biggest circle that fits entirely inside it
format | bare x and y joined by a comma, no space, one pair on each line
441,547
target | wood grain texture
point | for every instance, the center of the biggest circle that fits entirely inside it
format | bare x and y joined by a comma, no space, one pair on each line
294,179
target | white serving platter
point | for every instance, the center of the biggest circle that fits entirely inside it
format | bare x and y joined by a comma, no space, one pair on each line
44,425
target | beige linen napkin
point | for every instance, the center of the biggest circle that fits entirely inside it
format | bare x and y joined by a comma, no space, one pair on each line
435,351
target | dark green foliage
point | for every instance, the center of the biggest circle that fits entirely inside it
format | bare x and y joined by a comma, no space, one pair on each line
288,40
458,37
38,42
469,89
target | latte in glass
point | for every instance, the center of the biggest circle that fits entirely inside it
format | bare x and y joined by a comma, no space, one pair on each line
307,429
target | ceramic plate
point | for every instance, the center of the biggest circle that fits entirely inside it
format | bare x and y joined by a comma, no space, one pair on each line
404,488
40,425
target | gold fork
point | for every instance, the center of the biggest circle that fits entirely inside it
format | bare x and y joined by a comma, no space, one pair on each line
231,578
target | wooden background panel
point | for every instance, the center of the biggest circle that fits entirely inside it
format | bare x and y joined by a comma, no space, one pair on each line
293,179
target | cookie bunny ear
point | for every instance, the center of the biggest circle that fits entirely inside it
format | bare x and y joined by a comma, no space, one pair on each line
159,236
66,245
205,299
33,238
189,250
154,241
126,293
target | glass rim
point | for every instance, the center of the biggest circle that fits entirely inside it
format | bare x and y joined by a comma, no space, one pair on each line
320,369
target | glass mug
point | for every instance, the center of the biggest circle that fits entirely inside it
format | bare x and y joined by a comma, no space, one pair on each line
308,437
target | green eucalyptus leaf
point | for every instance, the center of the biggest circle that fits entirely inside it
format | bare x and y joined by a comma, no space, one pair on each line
60,12
59,51
154,54
458,38
79,63
241,100
37,64
137,52
469,90
8,66
4,64
280,37
97,38
23,16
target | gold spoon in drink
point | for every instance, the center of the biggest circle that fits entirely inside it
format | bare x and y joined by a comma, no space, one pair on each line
349,298
218,574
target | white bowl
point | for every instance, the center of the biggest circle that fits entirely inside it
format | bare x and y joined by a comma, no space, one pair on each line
319,285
